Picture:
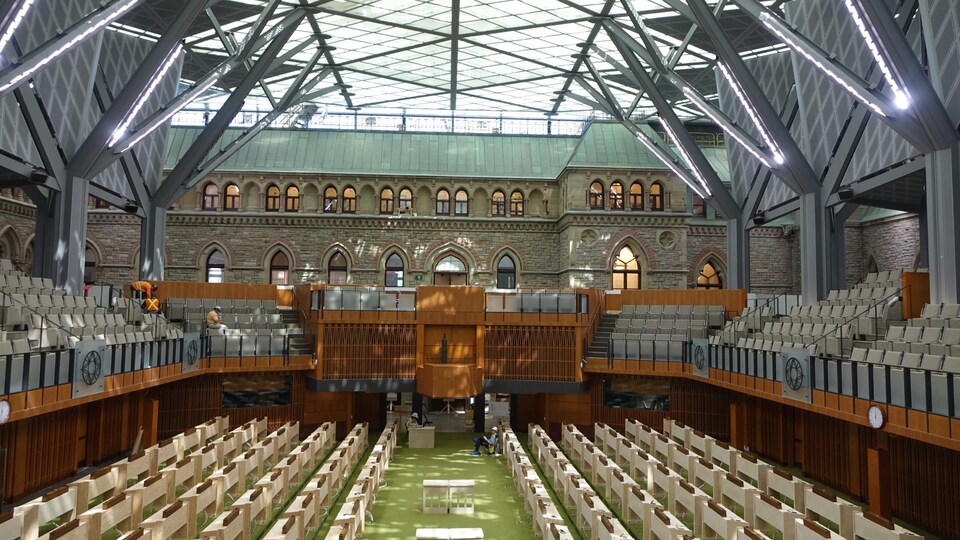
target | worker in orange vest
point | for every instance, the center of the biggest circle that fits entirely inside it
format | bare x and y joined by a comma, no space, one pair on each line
152,304
145,288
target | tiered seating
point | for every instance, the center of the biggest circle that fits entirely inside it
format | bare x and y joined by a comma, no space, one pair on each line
117,506
239,314
659,332
938,315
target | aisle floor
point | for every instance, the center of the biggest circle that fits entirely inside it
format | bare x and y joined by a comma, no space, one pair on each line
398,512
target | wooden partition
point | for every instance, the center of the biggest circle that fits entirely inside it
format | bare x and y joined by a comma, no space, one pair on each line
449,305
240,291
734,300
449,380
916,293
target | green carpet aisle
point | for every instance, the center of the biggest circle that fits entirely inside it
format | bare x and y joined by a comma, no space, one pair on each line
499,509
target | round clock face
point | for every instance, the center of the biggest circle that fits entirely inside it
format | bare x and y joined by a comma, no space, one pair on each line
4,411
875,416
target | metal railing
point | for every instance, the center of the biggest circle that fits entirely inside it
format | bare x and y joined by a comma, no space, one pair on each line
927,390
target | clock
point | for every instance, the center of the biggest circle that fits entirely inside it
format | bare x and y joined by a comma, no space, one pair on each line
4,411
875,417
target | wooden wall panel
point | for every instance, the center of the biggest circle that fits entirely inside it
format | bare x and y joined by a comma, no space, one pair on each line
369,351
834,452
320,407
698,405
248,291
543,353
916,293
450,305
39,451
461,344
926,482
193,401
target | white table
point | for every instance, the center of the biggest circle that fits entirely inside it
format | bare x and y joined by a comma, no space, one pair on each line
422,437
449,534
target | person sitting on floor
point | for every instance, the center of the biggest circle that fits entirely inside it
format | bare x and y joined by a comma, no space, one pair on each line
490,444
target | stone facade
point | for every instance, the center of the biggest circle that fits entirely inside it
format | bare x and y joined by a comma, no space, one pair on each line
575,247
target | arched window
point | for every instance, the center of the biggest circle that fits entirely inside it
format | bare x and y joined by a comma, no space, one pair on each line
330,200
89,266
349,200
280,269
461,203
656,197
506,273
231,199
699,208
498,204
386,201
443,203
626,270
406,201
636,196
595,195
393,276
216,265
293,199
273,198
616,196
709,278
211,197
516,204
337,269
450,270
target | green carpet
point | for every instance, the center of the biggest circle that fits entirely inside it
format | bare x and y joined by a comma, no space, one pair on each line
499,509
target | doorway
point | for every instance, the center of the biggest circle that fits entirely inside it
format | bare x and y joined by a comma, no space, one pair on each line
450,270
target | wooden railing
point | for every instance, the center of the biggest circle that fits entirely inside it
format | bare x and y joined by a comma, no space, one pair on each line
542,353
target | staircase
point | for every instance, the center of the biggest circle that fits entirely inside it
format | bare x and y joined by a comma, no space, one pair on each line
600,347
299,344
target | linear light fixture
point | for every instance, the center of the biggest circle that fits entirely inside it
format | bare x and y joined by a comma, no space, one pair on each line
700,104
14,23
772,25
122,128
900,98
767,139
686,158
669,163
91,29
198,90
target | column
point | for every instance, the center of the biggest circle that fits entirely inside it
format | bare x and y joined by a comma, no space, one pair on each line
943,241
479,421
738,255
61,236
153,230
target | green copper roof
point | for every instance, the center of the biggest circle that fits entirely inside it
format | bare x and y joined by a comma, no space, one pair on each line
604,144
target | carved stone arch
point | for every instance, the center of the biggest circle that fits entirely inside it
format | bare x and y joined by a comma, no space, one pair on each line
348,252
399,249
266,260
278,244
639,244
450,248
367,199
535,203
423,201
311,197
500,251
715,257
10,242
251,196
480,202
642,255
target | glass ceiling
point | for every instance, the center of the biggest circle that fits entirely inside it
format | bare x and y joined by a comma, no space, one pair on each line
437,56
